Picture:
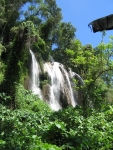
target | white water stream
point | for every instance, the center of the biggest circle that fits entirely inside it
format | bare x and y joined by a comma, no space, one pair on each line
60,89
35,70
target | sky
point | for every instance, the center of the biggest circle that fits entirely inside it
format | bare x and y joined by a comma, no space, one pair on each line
81,12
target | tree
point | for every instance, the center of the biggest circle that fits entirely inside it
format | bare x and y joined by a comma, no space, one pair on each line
10,14
92,65
46,16
64,34
16,69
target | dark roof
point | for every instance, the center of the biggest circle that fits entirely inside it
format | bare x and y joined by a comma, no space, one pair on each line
101,24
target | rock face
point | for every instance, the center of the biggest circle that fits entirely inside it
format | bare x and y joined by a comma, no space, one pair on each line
57,86
46,92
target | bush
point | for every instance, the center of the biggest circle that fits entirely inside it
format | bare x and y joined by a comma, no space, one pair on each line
33,126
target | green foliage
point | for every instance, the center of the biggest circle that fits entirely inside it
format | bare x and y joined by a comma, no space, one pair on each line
70,130
2,49
31,128
95,67
30,32
4,98
2,65
2,70
63,35
109,96
9,16
44,79
20,129
42,83
27,100
2,12
45,15
17,59
30,124
42,51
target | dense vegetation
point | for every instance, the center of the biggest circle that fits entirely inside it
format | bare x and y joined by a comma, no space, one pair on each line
26,122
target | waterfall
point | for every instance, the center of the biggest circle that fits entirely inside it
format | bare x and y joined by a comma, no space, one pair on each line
56,79
35,71
69,87
58,91
77,77
80,83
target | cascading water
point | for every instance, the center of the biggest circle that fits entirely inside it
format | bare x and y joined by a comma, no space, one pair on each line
77,76
58,92
80,83
56,79
69,87
35,76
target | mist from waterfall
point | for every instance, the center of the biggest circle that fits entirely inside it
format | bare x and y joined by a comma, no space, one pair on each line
58,92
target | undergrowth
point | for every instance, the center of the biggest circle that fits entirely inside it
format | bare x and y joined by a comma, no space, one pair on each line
34,126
